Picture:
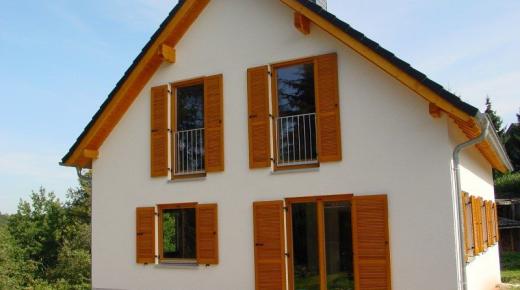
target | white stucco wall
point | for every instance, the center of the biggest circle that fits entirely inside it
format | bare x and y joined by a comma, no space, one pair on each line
390,145
483,271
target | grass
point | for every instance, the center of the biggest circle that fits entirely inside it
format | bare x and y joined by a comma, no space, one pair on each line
508,183
510,268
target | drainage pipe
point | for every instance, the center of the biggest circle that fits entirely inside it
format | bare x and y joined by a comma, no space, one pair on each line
485,125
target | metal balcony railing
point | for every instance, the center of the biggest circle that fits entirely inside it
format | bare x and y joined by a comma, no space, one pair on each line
296,140
189,152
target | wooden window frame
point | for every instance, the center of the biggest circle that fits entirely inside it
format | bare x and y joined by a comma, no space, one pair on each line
173,116
274,109
319,200
160,209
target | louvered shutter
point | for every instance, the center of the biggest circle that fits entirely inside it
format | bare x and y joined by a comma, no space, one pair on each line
145,235
371,244
159,131
327,107
258,112
476,225
465,224
213,123
489,221
207,234
269,239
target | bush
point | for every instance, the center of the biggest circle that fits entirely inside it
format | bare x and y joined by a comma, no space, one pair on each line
508,183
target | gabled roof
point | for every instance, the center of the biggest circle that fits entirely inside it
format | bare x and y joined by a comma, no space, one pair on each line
185,13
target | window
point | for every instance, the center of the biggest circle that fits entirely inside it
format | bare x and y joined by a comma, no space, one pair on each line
188,233
188,139
297,124
320,223
177,233
295,108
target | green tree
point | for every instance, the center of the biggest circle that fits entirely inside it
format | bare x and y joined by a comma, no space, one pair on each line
496,120
50,240
512,143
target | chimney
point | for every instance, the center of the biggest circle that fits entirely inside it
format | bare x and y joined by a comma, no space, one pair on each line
322,3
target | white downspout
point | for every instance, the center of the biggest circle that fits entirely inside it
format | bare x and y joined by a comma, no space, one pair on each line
485,125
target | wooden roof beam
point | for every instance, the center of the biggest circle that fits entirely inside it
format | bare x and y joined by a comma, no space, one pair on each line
167,53
302,23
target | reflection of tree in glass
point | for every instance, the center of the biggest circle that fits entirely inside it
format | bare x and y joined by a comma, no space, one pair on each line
296,89
179,233
169,232
190,107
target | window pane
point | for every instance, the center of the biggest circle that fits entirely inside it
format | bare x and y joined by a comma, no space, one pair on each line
338,246
189,137
296,89
190,107
178,227
305,247
296,123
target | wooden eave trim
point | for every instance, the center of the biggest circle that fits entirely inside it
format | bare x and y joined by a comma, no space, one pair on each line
135,82
378,60
471,129
403,77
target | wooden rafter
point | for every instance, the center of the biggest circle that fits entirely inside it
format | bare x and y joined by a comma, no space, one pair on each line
302,23
135,82
167,53
434,111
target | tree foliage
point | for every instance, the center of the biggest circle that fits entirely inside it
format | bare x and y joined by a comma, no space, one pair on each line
46,243
496,120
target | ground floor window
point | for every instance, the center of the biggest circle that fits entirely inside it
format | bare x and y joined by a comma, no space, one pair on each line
177,233
320,243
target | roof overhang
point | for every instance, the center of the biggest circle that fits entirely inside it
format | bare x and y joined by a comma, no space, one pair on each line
184,14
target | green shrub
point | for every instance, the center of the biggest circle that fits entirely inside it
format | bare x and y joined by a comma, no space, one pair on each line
508,183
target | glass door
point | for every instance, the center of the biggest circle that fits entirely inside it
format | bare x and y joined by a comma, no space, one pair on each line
320,243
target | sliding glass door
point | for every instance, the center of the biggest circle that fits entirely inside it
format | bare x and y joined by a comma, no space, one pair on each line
320,243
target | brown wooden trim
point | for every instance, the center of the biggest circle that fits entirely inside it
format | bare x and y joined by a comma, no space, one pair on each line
325,198
275,112
133,84
302,23
173,121
160,209
465,226
320,223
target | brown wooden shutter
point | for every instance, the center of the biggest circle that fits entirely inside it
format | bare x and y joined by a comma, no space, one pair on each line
489,221
327,107
159,131
214,123
269,239
465,223
145,235
258,111
476,225
207,234
371,243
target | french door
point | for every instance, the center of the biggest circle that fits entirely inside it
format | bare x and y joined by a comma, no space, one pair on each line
320,243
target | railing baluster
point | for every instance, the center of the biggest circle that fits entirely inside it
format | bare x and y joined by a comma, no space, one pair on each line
297,128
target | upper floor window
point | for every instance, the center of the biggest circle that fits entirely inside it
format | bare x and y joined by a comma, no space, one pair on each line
188,141
295,111
298,123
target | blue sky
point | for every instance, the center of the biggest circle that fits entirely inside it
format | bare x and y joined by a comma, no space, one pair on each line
59,59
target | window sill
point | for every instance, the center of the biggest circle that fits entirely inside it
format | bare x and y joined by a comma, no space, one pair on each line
188,177
187,264
314,167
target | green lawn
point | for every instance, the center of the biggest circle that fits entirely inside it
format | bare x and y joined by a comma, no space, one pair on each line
510,268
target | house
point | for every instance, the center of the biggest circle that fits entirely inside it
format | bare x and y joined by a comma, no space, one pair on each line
268,145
